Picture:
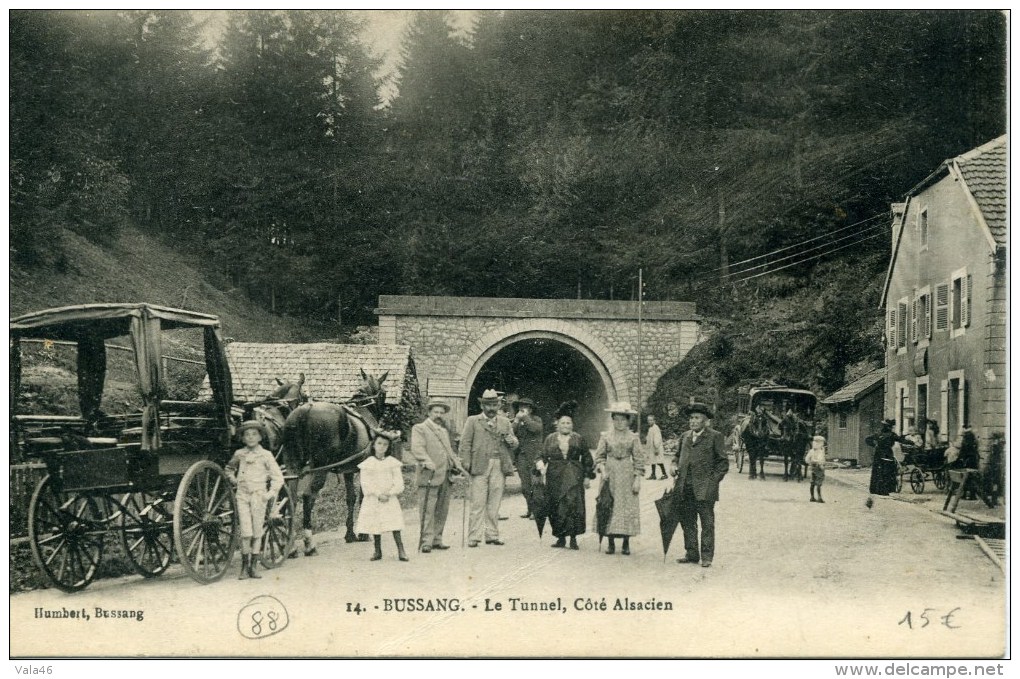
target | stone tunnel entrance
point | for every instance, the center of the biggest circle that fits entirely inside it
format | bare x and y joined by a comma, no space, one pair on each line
549,372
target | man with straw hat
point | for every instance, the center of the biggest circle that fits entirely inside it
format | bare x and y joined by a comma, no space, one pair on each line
485,447
432,449
699,467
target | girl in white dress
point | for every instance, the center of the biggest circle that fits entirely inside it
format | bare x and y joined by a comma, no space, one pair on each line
381,483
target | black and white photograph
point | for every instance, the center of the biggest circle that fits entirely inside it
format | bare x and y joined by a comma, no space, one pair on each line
518,333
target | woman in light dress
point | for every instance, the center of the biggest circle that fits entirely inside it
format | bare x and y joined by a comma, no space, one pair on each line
620,459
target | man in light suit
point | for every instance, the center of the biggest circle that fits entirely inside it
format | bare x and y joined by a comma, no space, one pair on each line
432,448
485,448
699,467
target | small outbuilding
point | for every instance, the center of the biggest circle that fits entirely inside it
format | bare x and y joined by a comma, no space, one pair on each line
332,373
855,412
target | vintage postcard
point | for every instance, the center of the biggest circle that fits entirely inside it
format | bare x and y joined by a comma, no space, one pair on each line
509,334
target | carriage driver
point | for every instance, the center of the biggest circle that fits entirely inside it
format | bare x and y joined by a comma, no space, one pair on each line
258,479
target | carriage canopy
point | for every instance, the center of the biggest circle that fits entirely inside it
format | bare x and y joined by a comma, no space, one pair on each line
90,325
778,400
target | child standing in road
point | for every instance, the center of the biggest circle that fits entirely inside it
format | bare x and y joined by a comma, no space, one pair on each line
381,483
258,479
815,459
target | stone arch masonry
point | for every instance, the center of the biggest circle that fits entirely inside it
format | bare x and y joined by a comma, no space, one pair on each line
452,338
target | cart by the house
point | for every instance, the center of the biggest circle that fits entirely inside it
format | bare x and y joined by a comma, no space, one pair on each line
920,466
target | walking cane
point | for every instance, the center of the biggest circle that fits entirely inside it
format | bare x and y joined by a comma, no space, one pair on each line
463,519
425,508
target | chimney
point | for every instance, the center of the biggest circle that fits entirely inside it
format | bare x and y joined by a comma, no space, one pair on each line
898,210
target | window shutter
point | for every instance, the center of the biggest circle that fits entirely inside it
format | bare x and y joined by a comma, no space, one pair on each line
927,316
913,321
965,293
901,328
942,306
892,329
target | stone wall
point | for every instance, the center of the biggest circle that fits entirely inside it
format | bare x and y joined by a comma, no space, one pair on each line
451,338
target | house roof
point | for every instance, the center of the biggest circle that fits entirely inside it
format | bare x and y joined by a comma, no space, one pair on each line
858,389
332,371
982,172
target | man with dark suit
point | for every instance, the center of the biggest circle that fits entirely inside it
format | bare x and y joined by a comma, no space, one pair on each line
528,428
699,467
432,448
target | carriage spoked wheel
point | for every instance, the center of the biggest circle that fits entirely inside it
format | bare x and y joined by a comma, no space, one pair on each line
146,532
278,537
66,533
917,481
205,522
740,454
940,478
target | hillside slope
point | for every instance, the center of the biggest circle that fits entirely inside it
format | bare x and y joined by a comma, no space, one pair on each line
137,267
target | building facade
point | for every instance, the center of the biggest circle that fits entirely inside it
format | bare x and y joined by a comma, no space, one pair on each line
945,299
855,413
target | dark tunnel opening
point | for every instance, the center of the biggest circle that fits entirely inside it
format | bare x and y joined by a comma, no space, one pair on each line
549,372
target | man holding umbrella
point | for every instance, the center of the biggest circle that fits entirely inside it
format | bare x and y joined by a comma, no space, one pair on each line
699,467
528,428
431,447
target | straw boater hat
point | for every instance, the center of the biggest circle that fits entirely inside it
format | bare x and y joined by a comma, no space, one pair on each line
437,404
489,397
252,424
699,408
621,408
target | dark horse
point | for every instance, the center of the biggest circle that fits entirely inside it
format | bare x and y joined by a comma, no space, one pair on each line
273,411
765,434
319,438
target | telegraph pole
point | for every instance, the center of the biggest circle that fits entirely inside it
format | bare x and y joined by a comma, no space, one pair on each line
724,258
640,361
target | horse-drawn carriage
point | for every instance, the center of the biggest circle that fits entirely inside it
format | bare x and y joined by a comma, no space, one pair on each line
153,478
775,421
921,465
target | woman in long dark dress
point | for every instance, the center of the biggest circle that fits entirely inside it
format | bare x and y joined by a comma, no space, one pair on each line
568,472
883,467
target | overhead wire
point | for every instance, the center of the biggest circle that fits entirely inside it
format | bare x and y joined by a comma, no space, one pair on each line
787,266
810,240
804,251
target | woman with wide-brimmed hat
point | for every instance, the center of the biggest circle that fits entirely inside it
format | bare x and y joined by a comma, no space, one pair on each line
620,458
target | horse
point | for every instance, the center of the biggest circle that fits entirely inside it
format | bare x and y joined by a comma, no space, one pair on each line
273,411
795,439
756,432
319,438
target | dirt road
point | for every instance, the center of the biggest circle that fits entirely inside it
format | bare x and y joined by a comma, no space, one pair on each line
791,578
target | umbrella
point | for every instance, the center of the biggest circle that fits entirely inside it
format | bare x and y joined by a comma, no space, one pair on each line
603,510
668,507
538,501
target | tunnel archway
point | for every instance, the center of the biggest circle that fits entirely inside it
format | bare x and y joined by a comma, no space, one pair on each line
550,369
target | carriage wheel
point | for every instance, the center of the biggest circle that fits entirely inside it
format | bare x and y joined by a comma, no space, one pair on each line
66,535
939,478
205,522
278,537
146,533
917,481
741,454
